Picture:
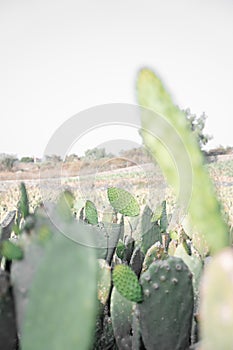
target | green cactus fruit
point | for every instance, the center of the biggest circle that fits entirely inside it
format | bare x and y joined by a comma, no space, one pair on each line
8,329
136,261
104,280
155,252
123,202
216,308
167,309
23,202
91,213
122,319
11,251
126,282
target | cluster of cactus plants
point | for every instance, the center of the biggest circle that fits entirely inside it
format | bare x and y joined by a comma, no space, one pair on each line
81,280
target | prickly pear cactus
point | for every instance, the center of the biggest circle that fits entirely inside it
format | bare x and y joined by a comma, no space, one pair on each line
155,252
136,261
167,309
122,319
126,282
123,202
104,280
22,275
61,312
129,247
166,134
91,213
23,202
216,309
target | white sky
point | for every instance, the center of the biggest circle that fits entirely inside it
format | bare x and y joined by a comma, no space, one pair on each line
61,57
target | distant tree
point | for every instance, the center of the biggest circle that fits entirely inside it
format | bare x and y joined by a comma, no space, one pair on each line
7,161
97,153
72,158
53,158
27,160
197,125
220,150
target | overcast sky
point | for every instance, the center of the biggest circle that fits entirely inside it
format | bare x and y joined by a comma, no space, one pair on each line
61,57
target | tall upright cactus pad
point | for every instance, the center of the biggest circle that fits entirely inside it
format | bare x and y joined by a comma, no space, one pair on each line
166,134
123,202
216,309
23,202
167,309
122,319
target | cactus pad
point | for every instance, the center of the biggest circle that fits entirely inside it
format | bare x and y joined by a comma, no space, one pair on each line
126,282
91,213
155,252
167,309
11,251
123,202
122,319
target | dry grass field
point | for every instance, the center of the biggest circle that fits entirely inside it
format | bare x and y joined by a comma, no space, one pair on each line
90,180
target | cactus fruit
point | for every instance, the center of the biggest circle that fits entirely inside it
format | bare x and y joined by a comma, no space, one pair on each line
126,282
123,202
167,309
91,213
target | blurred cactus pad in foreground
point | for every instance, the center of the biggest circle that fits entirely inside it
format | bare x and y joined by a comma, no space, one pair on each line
131,277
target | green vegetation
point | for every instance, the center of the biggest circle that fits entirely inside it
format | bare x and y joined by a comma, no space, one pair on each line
131,277
7,161
197,125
